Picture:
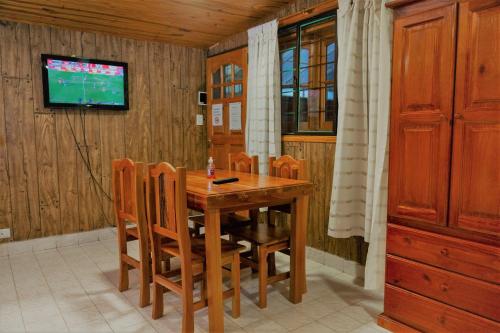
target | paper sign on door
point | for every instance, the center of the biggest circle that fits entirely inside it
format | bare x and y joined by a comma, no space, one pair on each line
217,114
235,116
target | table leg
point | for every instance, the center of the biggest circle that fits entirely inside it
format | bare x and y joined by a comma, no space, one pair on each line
298,249
214,270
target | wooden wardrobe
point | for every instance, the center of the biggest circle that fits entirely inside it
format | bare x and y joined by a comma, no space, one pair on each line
443,254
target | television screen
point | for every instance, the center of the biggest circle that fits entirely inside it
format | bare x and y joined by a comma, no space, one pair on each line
69,82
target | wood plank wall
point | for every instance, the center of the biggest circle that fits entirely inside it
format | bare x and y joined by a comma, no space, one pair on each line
46,188
320,157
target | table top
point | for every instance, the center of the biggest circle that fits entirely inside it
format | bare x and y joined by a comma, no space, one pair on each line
251,188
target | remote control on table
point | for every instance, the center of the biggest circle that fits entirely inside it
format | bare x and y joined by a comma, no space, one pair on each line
225,180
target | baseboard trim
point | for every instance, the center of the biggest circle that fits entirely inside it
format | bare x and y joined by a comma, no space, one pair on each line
351,268
53,242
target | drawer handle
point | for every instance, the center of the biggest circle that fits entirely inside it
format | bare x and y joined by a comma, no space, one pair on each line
444,287
444,252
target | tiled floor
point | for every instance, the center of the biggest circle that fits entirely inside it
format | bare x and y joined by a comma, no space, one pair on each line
73,289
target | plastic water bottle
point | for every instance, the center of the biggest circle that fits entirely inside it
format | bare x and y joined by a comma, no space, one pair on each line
211,168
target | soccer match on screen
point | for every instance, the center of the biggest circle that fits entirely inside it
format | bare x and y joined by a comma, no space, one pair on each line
85,83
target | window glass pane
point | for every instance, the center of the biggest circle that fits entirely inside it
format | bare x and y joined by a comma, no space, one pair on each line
309,109
227,73
288,119
238,73
216,77
331,104
216,93
317,58
238,89
287,66
330,65
227,91
304,66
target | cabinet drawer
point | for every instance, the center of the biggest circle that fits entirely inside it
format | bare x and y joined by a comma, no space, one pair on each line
468,258
463,292
427,315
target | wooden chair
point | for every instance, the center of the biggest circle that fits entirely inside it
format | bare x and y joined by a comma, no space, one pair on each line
266,236
166,202
128,192
241,162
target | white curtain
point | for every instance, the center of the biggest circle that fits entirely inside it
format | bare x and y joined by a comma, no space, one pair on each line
263,125
359,192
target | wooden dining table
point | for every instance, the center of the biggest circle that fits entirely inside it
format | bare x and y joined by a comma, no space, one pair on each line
249,192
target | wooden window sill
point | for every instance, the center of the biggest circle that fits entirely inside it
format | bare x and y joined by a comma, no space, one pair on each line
309,138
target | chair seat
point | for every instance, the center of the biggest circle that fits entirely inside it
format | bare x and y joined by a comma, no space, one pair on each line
198,248
261,234
227,220
132,234
282,208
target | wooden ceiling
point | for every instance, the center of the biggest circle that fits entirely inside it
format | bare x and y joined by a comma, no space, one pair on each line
198,23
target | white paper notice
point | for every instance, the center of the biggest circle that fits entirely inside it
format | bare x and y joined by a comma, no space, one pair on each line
235,116
216,114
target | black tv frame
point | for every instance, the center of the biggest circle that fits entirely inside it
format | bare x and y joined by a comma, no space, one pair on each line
45,82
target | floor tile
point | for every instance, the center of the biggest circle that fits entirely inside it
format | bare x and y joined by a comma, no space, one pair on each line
74,289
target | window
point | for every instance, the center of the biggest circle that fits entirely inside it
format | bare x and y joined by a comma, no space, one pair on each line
230,85
308,77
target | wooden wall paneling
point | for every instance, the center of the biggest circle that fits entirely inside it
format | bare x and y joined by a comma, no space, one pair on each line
45,134
178,135
111,126
5,206
194,145
45,177
64,43
21,149
316,225
176,73
15,52
137,119
159,58
88,134
202,132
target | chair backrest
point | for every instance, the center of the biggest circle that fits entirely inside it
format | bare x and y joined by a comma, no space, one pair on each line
166,206
287,167
242,162
127,182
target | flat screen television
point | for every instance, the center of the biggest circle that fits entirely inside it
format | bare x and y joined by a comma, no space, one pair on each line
88,83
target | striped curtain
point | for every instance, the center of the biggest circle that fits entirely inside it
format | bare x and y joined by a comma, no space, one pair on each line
263,125
359,192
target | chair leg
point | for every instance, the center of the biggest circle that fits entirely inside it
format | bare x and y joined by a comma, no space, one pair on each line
262,277
122,250
144,272
235,277
187,311
187,301
157,301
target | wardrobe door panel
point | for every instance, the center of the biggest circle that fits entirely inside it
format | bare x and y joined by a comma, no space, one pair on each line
475,188
423,74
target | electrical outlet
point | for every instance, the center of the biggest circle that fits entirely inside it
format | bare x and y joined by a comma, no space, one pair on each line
4,233
199,119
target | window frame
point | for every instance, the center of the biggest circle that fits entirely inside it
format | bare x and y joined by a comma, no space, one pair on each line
297,27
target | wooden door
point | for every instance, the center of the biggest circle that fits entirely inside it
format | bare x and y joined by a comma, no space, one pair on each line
227,84
420,138
475,183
